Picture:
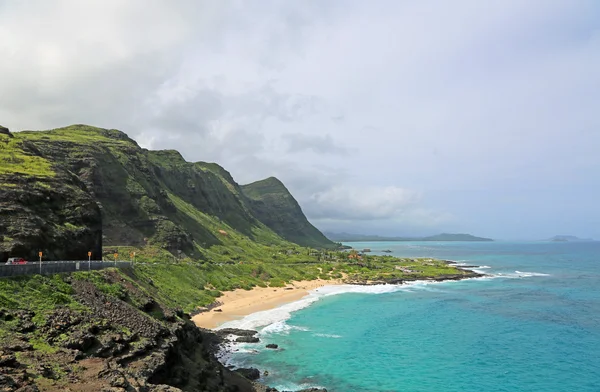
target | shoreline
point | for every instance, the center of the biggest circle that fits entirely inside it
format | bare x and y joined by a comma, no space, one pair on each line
237,304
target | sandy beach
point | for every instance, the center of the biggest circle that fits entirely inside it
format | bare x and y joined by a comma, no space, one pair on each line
240,303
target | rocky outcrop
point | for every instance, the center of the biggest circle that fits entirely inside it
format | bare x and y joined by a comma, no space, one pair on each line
109,344
247,339
5,131
249,373
44,208
236,332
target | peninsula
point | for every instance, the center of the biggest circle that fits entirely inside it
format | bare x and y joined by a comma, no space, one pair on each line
346,237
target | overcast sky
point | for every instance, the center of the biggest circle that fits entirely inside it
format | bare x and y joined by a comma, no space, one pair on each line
387,117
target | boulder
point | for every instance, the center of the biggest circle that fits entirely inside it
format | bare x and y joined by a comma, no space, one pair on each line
313,390
236,332
272,345
247,339
249,373
9,360
5,131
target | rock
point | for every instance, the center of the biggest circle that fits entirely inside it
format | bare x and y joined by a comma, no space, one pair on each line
81,342
19,346
5,131
7,383
217,310
45,371
313,390
249,373
236,332
28,388
9,360
271,345
163,388
247,339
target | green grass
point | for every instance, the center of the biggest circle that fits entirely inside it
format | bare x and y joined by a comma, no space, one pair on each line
14,160
81,134
36,293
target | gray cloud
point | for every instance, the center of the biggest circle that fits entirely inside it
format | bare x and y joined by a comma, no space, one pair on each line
461,98
315,143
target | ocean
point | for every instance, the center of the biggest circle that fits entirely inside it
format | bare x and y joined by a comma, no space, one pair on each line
533,325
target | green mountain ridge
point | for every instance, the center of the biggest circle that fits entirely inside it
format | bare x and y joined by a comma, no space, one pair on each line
275,206
346,237
101,181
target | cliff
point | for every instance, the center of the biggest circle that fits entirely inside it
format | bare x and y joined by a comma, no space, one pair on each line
66,184
275,206
41,204
103,331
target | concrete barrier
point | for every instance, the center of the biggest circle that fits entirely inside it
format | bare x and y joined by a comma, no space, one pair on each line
54,267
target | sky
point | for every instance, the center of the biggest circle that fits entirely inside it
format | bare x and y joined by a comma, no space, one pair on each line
382,117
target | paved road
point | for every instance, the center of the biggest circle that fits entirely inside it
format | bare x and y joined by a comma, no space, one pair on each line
53,267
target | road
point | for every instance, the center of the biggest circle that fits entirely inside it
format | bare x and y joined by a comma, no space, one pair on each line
53,267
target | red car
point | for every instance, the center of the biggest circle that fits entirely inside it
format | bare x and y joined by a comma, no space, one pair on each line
16,260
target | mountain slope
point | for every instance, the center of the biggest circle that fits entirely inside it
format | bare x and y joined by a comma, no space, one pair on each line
41,203
146,198
274,205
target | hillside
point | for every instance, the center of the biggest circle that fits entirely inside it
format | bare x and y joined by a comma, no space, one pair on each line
346,237
91,178
275,206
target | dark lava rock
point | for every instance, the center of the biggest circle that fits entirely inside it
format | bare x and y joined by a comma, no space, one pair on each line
5,131
7,383
271,345
313,390
236,332
81,342
19,346
247,339
249,373
9,360
115,378
45,371
28,388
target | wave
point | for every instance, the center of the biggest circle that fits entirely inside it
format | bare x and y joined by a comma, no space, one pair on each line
273,319
327,335
528,274
280,327
515,275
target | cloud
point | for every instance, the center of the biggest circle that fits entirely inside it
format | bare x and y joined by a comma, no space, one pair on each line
318,144
357,202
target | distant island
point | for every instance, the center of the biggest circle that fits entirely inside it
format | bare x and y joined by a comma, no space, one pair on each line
568,238
346,237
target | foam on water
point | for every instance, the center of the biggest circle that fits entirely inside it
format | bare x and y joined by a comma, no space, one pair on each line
327,335
273,319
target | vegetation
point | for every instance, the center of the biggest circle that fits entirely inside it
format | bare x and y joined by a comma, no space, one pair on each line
15,160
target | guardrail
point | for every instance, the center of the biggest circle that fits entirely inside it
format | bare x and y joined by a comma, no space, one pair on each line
54,267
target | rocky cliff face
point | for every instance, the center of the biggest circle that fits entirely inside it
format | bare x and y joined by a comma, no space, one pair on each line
103,342
275,206
43,207
61,186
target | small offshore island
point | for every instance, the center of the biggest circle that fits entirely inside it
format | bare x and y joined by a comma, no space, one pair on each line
205,248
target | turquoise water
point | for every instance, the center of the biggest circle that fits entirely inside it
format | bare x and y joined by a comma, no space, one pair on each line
533,326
